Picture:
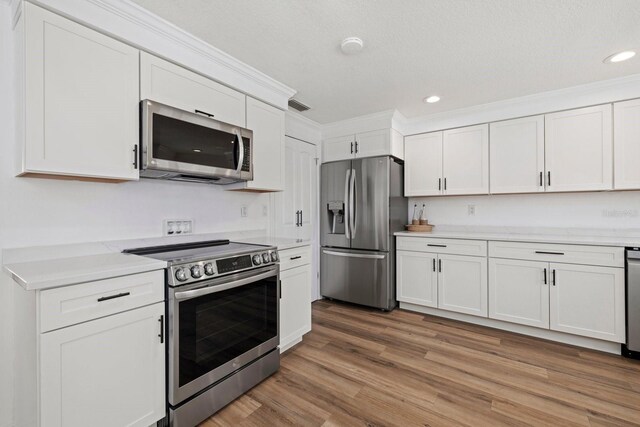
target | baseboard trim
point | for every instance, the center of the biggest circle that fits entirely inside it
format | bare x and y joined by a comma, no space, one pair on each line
591,343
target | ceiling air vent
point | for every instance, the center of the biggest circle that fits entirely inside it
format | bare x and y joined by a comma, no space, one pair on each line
297,105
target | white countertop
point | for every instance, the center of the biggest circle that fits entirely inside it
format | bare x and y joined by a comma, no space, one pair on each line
53,266
281,243
54,273
594,237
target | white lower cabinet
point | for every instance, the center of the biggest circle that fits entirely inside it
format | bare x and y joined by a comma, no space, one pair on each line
105,372
295,295
462,284
519,291
417,278
589,301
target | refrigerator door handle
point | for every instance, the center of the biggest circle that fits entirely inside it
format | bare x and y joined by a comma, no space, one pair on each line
353,255
352,204
346,205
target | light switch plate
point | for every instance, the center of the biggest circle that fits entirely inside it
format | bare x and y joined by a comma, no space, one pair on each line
177,227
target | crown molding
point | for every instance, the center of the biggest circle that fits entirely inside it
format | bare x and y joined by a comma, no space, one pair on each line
368,122
301,127
139,27
600,92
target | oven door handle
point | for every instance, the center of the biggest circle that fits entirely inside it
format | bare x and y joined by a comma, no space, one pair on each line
194,293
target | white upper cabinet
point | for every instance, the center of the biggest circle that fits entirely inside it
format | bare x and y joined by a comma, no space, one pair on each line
465,160
588,301
579,149
170,84
267,124
516,155
80,99
423,165
626,119
384,142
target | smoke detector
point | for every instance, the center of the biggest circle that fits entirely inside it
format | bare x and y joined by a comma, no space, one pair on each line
351,45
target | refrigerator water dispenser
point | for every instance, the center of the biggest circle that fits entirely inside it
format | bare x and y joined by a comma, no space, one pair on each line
336,216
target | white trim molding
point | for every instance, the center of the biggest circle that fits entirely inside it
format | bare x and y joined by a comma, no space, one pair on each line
300,127
139,27
376,121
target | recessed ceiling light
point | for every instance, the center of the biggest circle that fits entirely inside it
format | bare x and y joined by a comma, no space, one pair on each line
620,56
351,45
197,150
432,99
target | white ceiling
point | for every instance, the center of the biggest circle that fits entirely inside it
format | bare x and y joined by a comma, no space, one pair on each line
468,52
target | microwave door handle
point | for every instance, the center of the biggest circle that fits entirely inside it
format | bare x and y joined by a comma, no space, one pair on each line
194,293
241,151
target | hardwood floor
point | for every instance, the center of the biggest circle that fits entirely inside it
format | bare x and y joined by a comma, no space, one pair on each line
364,367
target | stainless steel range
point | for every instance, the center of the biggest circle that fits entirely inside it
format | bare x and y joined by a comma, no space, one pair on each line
223,307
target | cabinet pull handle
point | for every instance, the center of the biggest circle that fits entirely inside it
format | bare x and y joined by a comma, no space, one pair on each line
445,184
434,265
135,157
553,280
204,113
545,276
439,184
161,334
549,179
356,147
120,295
295,257
300,218
436,246
279,289
549,253
440,266
351,147
541,183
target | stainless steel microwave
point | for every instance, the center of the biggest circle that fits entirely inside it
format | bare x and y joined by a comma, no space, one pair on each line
189,146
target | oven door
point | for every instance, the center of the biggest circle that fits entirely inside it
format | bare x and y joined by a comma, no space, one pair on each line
186,143
217,327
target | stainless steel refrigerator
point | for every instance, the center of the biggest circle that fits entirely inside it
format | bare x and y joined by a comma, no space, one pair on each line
361,206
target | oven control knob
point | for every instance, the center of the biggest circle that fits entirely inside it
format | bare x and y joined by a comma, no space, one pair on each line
266,258
181,274
274,256
196,272
208,269
257,260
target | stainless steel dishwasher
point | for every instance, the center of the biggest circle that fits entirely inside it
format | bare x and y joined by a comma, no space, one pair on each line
632,347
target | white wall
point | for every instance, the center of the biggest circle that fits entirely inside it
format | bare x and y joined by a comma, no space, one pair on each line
39,211
606,210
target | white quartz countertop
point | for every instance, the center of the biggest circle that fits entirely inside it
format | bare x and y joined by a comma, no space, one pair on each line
559,236
281,243
43,267
58,272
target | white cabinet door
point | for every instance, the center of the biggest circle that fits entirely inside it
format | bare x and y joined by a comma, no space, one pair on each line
374,143
519,291
170,84
105,372
298,200
626,134
417,278
295,304
516,155
339,148
267,124
462,284
423,165
465,160
588,301
81,100
579,149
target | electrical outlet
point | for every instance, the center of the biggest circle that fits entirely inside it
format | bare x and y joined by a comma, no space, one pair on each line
176,227
471,210
244,211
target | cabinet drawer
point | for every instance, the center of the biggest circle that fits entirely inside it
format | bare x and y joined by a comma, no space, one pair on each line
74,304
294,257
607,256
443,246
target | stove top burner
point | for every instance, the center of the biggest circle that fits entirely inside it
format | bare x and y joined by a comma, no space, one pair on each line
196,261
